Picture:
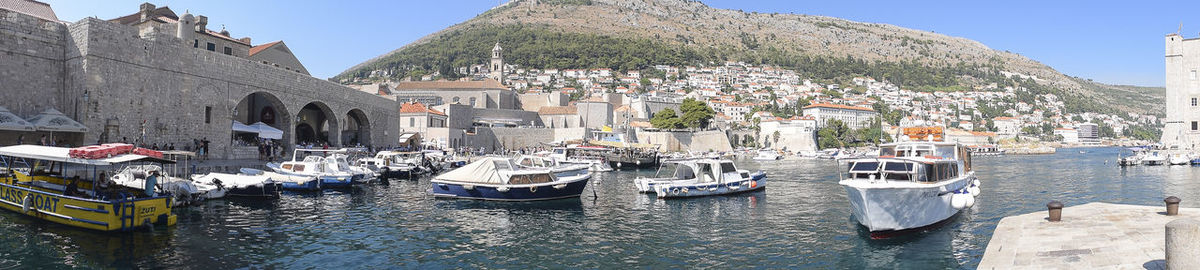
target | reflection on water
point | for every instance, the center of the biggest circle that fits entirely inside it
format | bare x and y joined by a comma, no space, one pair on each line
802,219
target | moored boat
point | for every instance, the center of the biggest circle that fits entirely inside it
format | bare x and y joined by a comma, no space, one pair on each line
910,185
500,179
35,186
242,185
767,154
329,171
700,177
1154,158
288,181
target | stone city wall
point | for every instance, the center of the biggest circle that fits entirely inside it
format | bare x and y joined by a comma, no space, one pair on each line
710,140
31,64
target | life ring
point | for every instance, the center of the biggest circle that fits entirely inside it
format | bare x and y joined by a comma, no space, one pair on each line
675,191
533,189
27,203
753,184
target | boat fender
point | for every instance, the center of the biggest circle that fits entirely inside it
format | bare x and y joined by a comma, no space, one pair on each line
502,189
974,191
468,187
958,200
684,189
533,189
753,184
976,183
560,186
970,201
27,204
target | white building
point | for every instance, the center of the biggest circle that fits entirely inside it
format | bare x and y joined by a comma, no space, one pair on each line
797,134
852,116
1069,135
1182,123
1007,127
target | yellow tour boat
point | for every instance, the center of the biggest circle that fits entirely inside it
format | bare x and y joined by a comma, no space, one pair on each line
32,183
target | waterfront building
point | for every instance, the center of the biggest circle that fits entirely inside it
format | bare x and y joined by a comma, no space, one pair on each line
156,77
853,116
797,134
1181,126
1088,133
1007,127
418,118
1070,135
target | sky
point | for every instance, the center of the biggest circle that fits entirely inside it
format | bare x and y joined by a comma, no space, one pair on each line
1110,42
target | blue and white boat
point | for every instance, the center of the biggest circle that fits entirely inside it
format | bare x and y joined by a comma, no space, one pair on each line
700,177
500,179
330,172
241,185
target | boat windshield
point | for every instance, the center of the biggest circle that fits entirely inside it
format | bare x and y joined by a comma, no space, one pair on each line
683,172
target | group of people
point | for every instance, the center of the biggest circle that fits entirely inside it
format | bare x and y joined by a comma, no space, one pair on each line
43,141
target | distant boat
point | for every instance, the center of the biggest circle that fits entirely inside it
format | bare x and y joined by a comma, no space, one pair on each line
1154,158
700,177
767,154
1179,159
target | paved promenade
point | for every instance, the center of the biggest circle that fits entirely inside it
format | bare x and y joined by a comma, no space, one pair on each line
1090,236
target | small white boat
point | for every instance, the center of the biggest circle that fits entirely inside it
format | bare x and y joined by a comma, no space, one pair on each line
240,184
700,177
184,190
289,181
591,156
910,185
1154,158
330,171
1179,159
767,154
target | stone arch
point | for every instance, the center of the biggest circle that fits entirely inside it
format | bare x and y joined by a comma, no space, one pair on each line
357,129
262,106
323,123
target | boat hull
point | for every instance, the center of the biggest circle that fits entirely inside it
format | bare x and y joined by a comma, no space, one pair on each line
570,189
116,215
898,208
267,190
756,181
336,181
311,185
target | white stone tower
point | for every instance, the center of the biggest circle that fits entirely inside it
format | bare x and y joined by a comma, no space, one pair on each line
186,29
496,69
1181,127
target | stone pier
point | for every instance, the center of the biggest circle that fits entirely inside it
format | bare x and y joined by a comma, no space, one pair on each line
1090,236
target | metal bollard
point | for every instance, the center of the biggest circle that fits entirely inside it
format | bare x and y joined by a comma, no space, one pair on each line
1172,205
1055,209
1183,241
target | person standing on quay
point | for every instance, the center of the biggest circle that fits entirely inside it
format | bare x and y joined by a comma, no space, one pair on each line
21,139
204,146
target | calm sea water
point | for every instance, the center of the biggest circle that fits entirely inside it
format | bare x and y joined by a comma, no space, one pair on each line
801,220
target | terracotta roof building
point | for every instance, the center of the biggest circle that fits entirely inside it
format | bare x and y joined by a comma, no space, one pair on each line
853,116
31,8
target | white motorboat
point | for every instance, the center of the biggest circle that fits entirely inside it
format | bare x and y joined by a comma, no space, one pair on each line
185,191
1179,159
767,154
289,181
330,172
240,184
592,156
1154,158
499,179
910,185
700,177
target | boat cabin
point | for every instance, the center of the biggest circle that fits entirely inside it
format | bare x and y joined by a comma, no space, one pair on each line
912,161
703,170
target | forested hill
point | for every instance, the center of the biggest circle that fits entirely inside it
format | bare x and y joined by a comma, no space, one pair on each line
635,34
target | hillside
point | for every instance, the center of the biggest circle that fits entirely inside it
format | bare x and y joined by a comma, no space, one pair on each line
633,34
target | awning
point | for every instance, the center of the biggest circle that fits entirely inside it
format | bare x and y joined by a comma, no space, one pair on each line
239,127
62,154
407,138
53,120
10,121
267,131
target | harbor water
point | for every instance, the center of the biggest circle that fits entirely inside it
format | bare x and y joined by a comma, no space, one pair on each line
801,220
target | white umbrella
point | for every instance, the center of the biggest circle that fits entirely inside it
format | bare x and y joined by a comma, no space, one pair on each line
239,127
10,121
267,131
54,121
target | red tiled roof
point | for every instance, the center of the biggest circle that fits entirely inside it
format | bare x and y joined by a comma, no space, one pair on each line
256,49
838,106
1003,118
415,107
31,8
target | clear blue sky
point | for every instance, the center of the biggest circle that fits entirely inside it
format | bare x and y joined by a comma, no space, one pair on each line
1117,42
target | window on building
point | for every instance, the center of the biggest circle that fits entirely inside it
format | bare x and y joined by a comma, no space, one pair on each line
195,43
228,51
1193,74
472,102
455,100
1193,102
208,114
1194,127
211,47
412,122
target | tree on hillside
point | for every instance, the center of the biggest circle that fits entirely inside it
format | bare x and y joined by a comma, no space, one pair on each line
696,114
666,119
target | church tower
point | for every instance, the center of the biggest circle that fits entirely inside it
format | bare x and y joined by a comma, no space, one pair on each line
496,69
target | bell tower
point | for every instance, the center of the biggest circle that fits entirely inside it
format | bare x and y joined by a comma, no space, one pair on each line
496,68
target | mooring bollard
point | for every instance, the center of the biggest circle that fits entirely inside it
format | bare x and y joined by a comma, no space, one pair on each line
1172,205
1183,244
1055,208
